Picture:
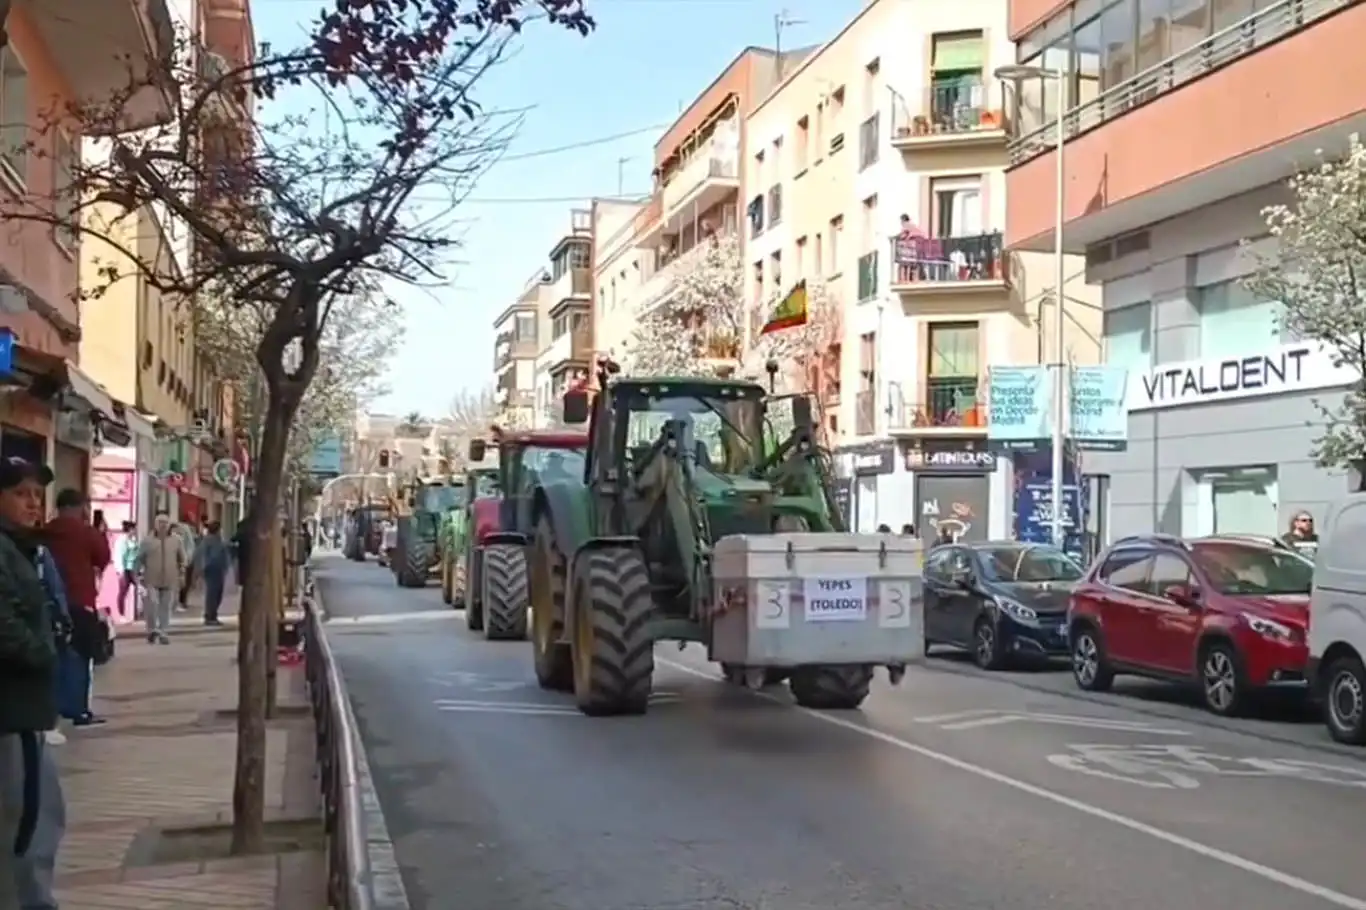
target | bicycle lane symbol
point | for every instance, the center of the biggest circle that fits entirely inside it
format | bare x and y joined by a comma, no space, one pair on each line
1181,767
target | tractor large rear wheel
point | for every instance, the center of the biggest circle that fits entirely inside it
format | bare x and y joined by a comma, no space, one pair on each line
505,596
474,608
410,564
613,651
554,667
831,688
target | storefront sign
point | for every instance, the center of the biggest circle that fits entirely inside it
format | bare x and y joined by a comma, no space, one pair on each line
1098,412
870,458
1290,368
7,342
1019,400
326,460
949,457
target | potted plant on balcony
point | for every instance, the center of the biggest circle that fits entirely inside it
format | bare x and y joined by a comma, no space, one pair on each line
921,124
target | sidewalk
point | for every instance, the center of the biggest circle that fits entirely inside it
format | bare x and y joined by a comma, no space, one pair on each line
165,761
192,619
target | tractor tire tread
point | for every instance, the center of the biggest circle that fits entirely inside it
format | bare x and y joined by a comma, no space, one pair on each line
830,688
504,604
554,668
620,608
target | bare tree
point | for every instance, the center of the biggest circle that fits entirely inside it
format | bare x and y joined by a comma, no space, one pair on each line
470,417
354,186
413,426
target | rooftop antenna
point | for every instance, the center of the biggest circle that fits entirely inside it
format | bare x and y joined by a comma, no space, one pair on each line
621,176
781,20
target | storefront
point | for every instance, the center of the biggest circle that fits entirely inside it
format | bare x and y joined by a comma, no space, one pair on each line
867,470
959,487
1223,445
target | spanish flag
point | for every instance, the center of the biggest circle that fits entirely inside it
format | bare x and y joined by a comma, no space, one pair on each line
790,311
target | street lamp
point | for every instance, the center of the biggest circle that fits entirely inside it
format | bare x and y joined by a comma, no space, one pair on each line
1015,74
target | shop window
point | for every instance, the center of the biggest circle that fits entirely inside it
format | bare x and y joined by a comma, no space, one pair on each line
1129,337
1234,322
1232,500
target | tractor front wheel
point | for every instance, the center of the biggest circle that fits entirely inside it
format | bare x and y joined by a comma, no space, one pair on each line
504,600
410,565
612,648
474,608
831,688
447,582
554,671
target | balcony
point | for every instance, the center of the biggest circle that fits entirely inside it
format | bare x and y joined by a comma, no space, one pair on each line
580,229
577,354
1119,179
948,115
704,180
956,265
515,398
949,406
506,349
573,286
100,45
865,413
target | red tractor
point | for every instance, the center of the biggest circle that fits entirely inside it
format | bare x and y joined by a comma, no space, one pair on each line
499,524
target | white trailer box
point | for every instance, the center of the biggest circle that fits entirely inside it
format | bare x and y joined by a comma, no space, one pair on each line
784,600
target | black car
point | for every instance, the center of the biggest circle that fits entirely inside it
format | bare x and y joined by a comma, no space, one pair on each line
1001,601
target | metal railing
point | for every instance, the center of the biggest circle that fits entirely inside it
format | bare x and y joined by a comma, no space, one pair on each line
935,260
946,108
1218,50
349,885
948,402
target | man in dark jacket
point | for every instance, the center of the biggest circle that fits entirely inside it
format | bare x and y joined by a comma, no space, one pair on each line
82,554
32,811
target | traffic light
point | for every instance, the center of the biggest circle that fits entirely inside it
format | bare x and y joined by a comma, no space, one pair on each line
384,458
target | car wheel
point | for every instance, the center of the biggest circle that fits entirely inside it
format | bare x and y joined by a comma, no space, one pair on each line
1090,668
1222,687
986,646
1345,701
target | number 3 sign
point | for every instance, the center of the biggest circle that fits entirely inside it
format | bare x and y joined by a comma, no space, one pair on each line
894,604
773,605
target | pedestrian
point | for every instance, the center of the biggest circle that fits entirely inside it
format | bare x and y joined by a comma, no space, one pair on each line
241,543
81,552
126,561
61,621
884,529
211,561
161,564
32,809
1301,537
184,532
908,530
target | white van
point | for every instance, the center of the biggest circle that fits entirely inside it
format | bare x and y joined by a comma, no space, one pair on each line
1337,621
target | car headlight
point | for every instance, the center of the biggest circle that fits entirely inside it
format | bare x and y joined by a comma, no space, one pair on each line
1269,628
1015,610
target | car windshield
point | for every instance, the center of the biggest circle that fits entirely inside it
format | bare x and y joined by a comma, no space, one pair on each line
725,431
485,485
1028,564
544,465
1246,568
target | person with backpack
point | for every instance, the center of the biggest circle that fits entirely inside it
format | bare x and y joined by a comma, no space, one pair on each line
81,553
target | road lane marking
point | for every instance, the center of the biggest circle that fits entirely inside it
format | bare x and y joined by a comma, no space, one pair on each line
531,708
375,619
1177,766
1000,718
1233,860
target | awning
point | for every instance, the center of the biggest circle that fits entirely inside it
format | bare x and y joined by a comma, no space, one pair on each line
87,389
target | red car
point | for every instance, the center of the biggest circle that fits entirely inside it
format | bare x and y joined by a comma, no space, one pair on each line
1229,615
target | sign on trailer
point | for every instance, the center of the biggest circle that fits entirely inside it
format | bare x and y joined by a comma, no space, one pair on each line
836,599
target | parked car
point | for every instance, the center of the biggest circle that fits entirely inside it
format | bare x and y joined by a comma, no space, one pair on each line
1337,622
1001,601
1229,615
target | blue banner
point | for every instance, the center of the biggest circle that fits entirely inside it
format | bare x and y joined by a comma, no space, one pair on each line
1019,403
326,460
1099,418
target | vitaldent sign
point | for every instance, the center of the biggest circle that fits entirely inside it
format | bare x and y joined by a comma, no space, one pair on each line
1289,368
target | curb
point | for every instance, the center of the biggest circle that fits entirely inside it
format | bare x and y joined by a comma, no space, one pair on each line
386,877
1209,720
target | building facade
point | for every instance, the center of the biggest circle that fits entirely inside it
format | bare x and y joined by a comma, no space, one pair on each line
876,170
564,323
515,346
1222,407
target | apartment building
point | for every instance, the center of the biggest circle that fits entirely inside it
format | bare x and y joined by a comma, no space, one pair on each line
876,171
1164,178
50,409
564,327
621,272
515,346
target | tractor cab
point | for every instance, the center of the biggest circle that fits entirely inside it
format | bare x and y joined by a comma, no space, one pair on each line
528,460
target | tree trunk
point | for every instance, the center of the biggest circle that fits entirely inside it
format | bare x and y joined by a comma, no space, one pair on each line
255,615
273,627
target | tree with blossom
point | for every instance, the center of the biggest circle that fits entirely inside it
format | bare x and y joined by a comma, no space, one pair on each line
1319,274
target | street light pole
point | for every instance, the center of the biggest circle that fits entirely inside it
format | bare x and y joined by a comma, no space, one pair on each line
1057,363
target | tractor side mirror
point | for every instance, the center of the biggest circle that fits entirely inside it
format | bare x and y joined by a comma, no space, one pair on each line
576,407
478,449
803,415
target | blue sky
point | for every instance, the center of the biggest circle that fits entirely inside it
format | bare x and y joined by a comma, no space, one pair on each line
645,62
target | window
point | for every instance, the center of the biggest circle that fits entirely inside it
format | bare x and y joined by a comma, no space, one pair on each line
1128,569
867,276
759,280
759,167
1129,337
870,81
1087,69
580,256
1117,43
65,193
526,327
14,114
775,271
803,150
868,139
775,159
801,258
952,380
819,139
957,93
1234,322
836,232
775,204
818,256
1154,32
957,206
867,361
1168,570
755,213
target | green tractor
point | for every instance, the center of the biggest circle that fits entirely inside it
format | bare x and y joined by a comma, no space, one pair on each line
499,526
481,493
694,525
420,514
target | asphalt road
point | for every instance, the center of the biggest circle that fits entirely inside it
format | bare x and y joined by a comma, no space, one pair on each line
955,790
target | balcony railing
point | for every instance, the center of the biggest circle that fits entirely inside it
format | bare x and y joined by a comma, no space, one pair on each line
581,345
948,108
1218,50
867,276
953,402
574,285
865,413
507,351
708,162
920,260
